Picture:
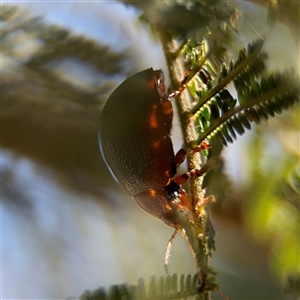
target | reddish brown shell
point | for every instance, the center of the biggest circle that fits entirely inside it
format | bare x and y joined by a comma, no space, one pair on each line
134,139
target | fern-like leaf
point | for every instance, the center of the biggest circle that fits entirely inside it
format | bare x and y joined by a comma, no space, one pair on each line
248,65
256,103
168,287
219,115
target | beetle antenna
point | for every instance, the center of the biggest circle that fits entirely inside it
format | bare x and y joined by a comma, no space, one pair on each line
168,251
252,27
174,94
182,85
223,294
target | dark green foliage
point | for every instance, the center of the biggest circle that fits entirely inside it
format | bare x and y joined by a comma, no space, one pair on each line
221,117
168,287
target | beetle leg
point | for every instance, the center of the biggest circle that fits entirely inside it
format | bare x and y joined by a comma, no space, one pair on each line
185,80
166,100
181,154
203,146
168,251
167,104
183,178
181,87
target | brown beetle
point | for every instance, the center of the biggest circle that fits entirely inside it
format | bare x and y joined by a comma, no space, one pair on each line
136,145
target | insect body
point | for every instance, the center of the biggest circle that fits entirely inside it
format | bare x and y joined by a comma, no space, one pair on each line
136,145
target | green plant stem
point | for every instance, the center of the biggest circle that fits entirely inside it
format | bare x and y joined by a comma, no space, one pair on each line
194,234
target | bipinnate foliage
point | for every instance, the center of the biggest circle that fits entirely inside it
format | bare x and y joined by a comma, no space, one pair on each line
228,102
168,287
219,115
228,98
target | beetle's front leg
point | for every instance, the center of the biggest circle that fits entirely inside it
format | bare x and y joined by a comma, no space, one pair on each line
166,103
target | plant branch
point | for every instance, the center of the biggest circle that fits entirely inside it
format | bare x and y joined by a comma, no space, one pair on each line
189,231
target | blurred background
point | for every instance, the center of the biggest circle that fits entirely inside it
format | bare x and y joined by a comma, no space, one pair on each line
66,225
